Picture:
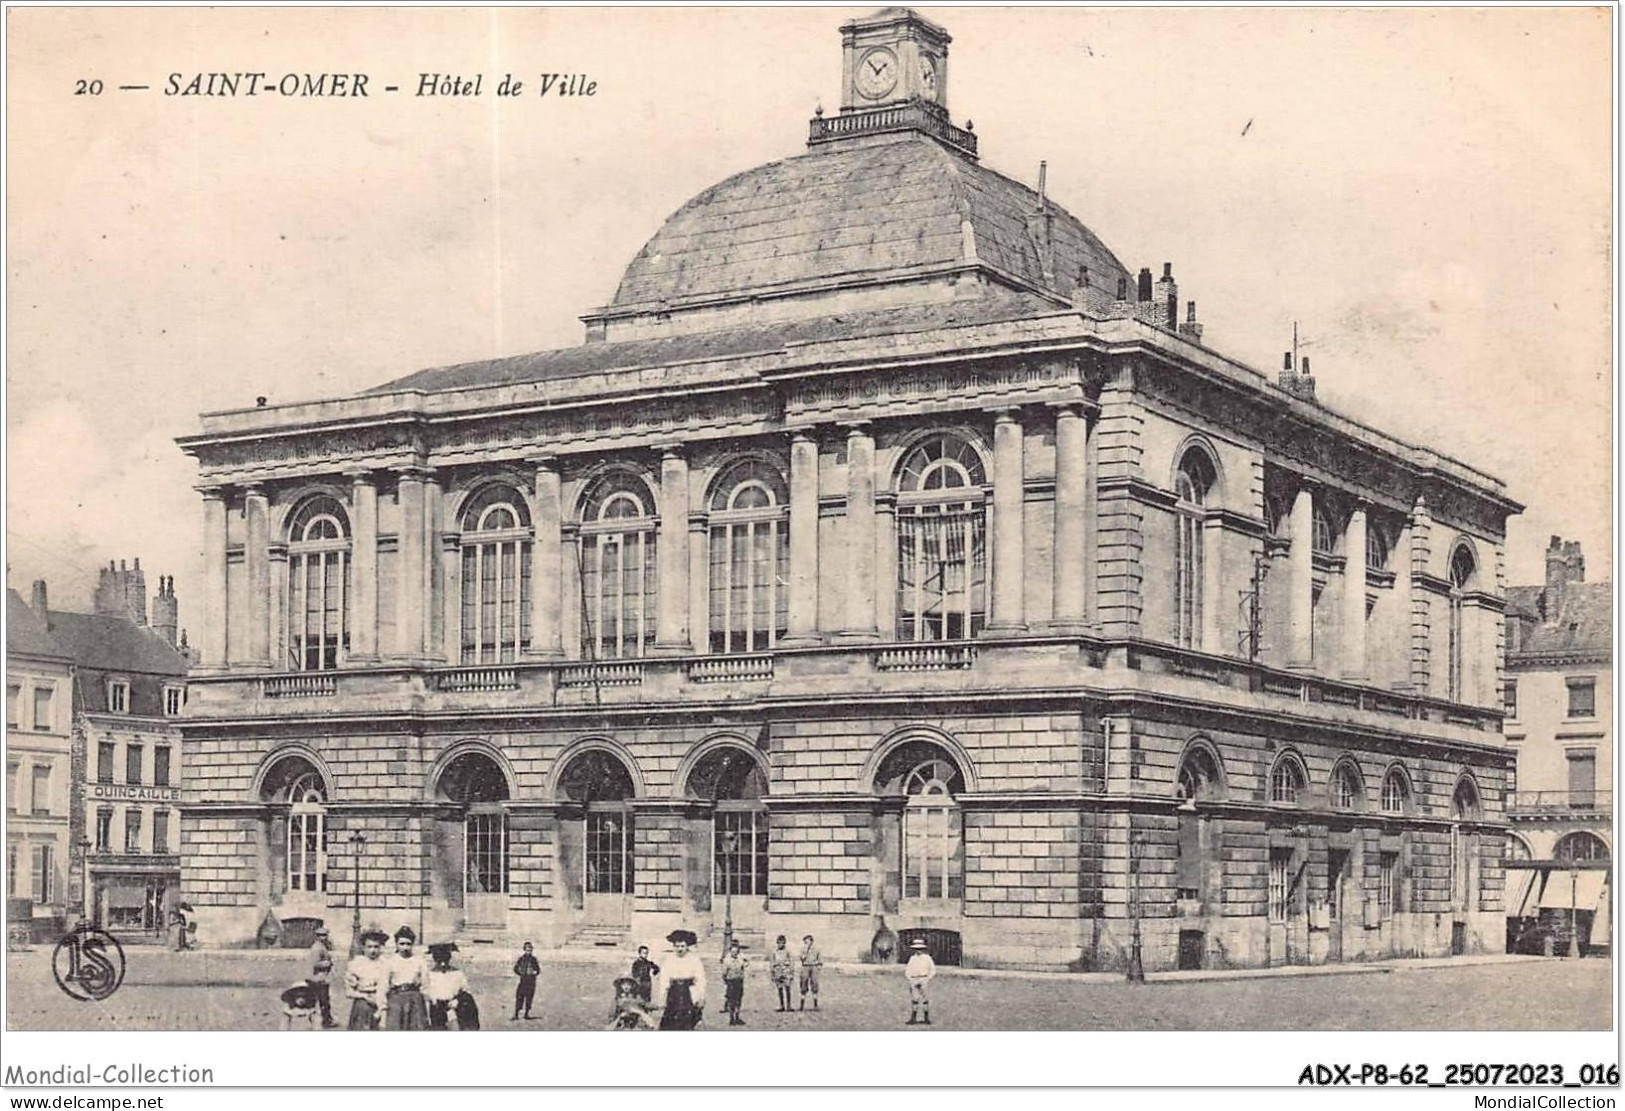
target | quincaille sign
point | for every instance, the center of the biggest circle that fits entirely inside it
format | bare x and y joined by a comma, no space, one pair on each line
137,794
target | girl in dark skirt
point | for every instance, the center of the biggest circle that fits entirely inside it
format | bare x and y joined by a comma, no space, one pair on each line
364,981
682,982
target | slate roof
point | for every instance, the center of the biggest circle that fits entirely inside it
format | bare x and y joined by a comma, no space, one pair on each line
1584,625
858,209
26,634
115,644
596,358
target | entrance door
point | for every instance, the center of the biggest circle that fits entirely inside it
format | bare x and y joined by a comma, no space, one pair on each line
739,867
485,868
1337,867
607,885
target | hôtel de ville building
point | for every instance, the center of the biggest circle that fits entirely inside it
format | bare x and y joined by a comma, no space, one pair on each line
890,558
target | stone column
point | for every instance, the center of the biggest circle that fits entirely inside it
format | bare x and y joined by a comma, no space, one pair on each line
671,609
699,580
1008,541
860,532
1354,630
409,615
803,626
434,603
1071,519
257,562
279,607
546,563
1301,562
363,566
1419,619
451,595
212,642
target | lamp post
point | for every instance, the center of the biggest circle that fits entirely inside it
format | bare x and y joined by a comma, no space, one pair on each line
357,840
1574,912
87,912
1136,963
730,842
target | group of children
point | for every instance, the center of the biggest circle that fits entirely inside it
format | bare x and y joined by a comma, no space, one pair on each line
398,992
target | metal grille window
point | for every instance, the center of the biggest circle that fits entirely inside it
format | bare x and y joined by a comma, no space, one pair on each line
104,829
307,834
1191,486
486,842
132,830
160,831
318,586
496,577
1387,884
609,854
750,558
941,542
933,845
618,569
1394,793
740,852
1280,883
1286,781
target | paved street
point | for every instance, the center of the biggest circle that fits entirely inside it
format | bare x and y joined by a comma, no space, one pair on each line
238,991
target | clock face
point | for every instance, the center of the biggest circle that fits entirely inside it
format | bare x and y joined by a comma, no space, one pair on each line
928,76
877,73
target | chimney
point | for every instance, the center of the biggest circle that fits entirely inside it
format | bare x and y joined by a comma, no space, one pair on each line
1145,284
1564,565
39,602
1168,294
165,610
1300,384
135,594
1191,330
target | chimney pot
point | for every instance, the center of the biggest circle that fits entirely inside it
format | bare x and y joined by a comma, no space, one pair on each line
1145,283
38,599
1167,269
1306,365
1190,312
1286,361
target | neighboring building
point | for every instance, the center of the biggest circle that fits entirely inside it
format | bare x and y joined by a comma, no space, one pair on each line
118,805
41,889
1559,701
890,559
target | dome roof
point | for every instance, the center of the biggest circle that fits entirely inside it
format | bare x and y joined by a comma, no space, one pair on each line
862,210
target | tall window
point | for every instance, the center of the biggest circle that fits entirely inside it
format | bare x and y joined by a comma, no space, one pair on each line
11,869
44,862
1191,486
105,758
1509,699
1461,577
1347,790
1387,884
41,802
1395,792
318,585
733,781
307,834
1376,548
618,568
104,829
1286,781
941,541
174,699
12,786
44,704
160,766
118,696
1464,808
928,778
475,783
1280,884
1582,778
1582,697
496,576
750,559
14,694
132,830
132,764
1199,779
1325,534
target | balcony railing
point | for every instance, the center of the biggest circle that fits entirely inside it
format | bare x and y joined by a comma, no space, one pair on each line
315,685
731,669
1560,802
926,657
911,116
479,679
627,673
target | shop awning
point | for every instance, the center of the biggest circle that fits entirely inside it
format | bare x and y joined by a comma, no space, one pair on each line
1518,901
1581,890
126,898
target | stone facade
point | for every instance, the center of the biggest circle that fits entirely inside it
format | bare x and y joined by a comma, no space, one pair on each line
910,582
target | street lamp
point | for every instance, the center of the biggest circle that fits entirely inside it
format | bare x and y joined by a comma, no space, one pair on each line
87,913
357,840
1574,913
730,843
1136,963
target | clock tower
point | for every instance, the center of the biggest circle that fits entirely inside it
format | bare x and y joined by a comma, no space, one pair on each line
892,56
894,77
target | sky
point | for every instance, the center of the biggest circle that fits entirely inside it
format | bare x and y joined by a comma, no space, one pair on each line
1426,192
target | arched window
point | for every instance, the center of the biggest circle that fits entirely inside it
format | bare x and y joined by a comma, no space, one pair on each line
733,780
1462,571
750,559
602,786
474,783
941,541
1464,807
933,832
1376,548
1191,485
1325,536
1348,792
297,792
1199,776
496,576
1286,781
1581,846
1396,792
1517,849
618,568
318,585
